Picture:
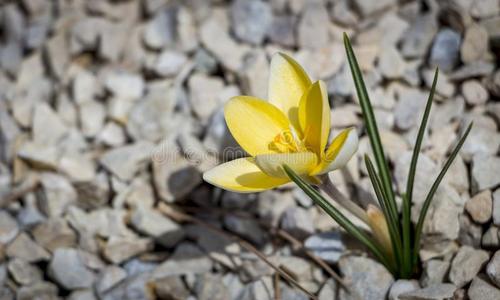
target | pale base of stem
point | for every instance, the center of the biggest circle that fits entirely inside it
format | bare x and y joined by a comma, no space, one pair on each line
331,190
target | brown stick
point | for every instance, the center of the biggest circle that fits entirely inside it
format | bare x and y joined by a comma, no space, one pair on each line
295,244
277,291
182,217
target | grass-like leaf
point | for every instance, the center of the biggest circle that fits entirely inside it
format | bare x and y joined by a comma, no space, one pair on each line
333,212
382,200
373,134
432,191
407,198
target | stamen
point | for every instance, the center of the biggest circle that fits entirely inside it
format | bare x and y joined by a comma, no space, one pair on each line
285,142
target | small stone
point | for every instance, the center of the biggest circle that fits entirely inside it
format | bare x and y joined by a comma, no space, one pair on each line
86,294
179,179
434,292
474,92
434,272
367,7
92,117
187,259
54,233
85,87
474,69
47,127
496,207
9,228
484,172
85,34
215,37
59,194
204,61
402,286
40,156
248,228
254,75
271,205
297,222
57,54
112,135
480,289
204,92
480,207
418,37
424,176
152,118
250,20
126,161
470,232
125,85
484,9
154,224
313,27
327,245
409,108
466,264
25,248
282,31
209,286
120,249
23,272
493,269
491,238
68,269
79,167
369,278
481,141
134,287
169,63
171,287
108,278
391,64
445,50
160,31
39,290
475,43
329,290
445,87
321,62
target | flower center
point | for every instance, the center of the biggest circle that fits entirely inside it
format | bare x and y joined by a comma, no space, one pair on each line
285,142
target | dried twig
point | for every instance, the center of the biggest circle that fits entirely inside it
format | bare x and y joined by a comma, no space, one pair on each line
182,217
296,244
277,291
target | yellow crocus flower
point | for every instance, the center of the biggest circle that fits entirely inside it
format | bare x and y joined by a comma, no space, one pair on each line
291,128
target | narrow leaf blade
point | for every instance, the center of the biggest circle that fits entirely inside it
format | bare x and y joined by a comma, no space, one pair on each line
371,125
432,191
340,218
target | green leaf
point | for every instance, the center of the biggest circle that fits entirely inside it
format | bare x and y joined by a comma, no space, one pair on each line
432,191
406,270
407,198
391,220
341,219
371,127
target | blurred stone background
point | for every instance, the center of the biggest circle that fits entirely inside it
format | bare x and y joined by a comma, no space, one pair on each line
111,110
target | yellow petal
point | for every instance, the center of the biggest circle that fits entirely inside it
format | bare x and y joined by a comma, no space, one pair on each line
254,123
287,83
241,175
272,164
340,151
314,117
